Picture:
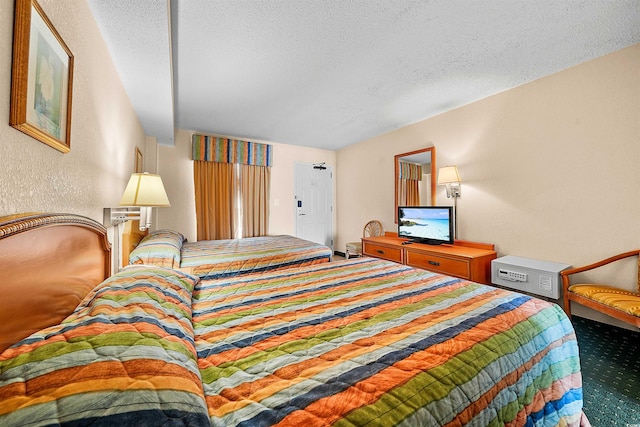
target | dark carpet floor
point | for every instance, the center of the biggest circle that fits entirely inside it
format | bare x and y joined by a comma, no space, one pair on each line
610,362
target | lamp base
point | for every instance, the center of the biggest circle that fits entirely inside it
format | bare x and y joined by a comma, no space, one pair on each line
145,217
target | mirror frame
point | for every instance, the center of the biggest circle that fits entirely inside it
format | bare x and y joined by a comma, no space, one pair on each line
396,163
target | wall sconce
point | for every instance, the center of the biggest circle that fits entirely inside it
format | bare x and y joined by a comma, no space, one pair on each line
450,177
144,192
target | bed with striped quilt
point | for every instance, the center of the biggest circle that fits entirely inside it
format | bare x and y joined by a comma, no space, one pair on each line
225,258
352,343
369,342
124,357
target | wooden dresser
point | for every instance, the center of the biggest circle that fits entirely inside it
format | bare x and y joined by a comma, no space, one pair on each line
467,260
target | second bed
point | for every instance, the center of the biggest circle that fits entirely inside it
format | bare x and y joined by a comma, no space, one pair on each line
225,258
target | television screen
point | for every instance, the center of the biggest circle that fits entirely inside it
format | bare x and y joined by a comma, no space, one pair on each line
426,224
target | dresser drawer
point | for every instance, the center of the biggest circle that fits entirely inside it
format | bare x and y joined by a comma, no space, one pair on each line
384,252
449,266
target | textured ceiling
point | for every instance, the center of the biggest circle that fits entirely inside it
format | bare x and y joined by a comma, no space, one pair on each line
331,73
137,34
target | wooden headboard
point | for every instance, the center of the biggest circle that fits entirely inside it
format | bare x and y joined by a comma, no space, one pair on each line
131,236
48,264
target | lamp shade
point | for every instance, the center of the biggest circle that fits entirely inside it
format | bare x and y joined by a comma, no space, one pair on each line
145,189
448,174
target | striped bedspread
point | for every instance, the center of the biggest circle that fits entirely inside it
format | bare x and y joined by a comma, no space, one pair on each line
368,342
124,357
224,258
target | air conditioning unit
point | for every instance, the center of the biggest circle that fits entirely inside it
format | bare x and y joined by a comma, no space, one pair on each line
528,275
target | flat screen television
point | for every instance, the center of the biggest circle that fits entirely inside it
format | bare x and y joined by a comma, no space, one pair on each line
432,225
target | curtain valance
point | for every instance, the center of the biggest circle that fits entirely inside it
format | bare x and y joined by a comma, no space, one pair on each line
410,171
224,150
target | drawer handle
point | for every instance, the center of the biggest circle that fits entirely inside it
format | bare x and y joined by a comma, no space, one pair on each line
380,252
437,264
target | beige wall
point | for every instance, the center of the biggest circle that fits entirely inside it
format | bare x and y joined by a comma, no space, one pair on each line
550,169
104,129
176,167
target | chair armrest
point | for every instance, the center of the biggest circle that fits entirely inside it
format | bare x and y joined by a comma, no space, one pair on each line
566,273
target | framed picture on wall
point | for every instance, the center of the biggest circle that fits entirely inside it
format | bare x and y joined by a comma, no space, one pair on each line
41,78
139,165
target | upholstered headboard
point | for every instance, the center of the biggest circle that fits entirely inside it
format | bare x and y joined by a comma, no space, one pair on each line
48,264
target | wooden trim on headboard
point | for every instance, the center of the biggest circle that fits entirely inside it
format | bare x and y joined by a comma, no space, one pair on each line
131,236
48,264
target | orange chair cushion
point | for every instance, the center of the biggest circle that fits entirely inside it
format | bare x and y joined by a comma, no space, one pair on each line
626,301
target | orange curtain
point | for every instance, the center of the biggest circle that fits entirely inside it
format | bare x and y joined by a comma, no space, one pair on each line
232,180
255,187
215,189
408,192
413,192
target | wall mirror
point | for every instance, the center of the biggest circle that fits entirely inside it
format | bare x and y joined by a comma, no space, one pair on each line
415,178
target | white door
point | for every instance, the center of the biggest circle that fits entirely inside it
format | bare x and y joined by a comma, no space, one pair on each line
313,203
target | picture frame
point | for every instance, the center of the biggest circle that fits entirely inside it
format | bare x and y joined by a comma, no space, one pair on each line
41,78
139,165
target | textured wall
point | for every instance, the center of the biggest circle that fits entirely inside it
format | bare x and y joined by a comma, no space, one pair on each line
104,129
